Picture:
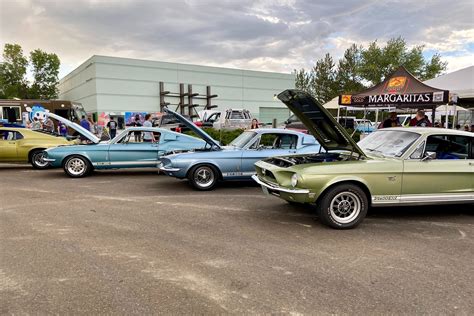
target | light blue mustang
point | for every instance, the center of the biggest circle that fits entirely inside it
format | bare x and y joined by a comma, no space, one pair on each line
124,151
234,162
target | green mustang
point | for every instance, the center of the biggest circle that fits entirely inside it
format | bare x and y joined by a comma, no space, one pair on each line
390,167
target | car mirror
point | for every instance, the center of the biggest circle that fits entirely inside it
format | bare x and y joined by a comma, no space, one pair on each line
429,155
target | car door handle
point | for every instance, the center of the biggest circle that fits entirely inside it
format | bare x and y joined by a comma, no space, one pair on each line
471,164
12,143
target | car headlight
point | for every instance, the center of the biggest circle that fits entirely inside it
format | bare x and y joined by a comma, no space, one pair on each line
294,180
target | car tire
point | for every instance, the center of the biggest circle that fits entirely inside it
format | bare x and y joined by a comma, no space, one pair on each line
77,167
343,206
203,177
36,159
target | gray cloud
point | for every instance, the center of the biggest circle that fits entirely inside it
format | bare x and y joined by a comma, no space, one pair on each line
277,35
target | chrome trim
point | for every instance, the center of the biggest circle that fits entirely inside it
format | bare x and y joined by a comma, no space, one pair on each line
49,159
121,163
425,199
280,189
169,169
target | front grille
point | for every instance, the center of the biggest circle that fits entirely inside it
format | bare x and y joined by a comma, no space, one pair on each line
268,174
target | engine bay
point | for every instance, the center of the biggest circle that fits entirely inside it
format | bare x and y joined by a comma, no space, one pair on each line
289,161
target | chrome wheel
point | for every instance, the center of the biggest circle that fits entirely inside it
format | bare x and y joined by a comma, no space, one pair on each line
345,207
76,166
38,160
204,177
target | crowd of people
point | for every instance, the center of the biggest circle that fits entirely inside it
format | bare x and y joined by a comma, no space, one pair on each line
420,120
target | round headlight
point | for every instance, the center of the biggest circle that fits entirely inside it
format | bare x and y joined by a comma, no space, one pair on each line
294,180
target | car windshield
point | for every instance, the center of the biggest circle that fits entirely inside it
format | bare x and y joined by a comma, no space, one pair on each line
388,143
243,139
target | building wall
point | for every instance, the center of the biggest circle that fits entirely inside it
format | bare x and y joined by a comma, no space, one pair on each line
111,84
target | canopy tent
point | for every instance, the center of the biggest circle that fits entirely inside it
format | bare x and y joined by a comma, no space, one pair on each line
400,89
459,83
333,104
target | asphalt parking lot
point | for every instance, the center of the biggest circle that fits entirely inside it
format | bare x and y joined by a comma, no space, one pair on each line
133,242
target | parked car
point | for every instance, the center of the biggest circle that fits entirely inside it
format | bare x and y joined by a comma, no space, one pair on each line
26,146
169,122
364,126
229,119
390,167
205,168
124,151
294,123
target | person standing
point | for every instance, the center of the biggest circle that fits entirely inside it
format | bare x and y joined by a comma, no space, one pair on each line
112,126
148,136
48,125
392,121
87,126
254,124
420,120
85,123
137,123
62,129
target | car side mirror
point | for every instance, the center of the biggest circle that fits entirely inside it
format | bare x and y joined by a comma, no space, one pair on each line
429,155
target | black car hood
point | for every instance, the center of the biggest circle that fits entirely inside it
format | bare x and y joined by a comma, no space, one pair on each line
320,123
208,139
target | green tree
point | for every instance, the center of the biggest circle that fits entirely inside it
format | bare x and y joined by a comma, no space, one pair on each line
378,62
13,81
348,79
324,79
361,68
45,67
433,67
303,80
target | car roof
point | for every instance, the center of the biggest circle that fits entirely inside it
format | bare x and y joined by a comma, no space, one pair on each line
431,130
154,129
276,130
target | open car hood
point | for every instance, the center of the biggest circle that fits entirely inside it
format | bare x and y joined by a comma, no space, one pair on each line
208,139
78,128
320,123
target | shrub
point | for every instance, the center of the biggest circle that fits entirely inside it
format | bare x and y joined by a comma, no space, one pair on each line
223,136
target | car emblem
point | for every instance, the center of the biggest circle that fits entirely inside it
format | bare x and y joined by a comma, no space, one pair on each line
392,178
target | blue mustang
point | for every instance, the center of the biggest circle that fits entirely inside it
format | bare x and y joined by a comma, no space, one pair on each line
124,151
204,168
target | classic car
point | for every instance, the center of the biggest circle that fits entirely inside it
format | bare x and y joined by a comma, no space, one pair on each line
123,151
27,146
364,126
205,168
390,167
229,119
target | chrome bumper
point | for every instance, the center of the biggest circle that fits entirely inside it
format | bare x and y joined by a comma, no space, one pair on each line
280,189
169,169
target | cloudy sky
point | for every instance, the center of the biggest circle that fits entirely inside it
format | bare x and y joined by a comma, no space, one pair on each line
270,35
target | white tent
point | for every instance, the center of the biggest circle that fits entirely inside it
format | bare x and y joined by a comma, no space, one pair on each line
460,82
333,104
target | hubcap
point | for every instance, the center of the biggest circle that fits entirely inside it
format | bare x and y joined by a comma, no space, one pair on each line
76,166
39,160
345,207
204,176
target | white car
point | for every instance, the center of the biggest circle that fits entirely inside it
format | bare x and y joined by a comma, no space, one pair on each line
229,119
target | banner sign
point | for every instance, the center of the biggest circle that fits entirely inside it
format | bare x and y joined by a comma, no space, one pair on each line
441,97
